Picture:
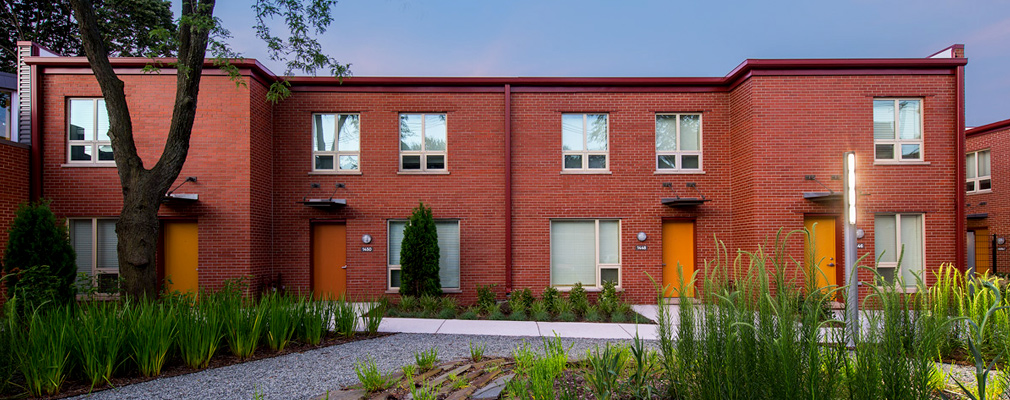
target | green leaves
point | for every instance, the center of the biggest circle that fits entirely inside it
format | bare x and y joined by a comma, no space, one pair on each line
419,255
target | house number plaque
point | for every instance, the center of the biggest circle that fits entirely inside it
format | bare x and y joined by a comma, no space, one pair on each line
366,249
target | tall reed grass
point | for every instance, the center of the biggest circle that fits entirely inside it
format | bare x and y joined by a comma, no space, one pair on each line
99,342
152,332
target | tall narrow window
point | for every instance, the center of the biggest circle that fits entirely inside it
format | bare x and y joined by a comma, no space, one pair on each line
448,253
584,142
423,140
88,132
678,142
897,129
336,140
585,251
95,242
978,174
5,115
898,240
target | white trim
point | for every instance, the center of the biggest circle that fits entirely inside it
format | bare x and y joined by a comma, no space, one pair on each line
585,153
5,132
598,285
897,232
95,269
977,180
424,152
679,154
94,144
335,153
896,142
396,267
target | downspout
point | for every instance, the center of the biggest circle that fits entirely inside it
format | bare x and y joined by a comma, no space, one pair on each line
960,250
508,188
35,161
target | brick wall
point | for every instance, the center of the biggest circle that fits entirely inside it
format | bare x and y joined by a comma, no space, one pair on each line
995,204
13,189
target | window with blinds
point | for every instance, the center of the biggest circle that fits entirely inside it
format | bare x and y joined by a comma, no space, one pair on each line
898,243
585,251
448,251
95,242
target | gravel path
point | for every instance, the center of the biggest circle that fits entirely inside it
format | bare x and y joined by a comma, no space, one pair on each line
309,374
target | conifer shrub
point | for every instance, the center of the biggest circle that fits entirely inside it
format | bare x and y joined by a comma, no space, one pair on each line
39,262
419,255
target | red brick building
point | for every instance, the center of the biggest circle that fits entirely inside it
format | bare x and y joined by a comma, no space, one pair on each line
987,206
533,181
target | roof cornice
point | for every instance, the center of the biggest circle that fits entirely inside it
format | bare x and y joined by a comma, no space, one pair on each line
987,128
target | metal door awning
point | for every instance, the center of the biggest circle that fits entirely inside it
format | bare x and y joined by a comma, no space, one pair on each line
822,197
328,203
181,198
678,201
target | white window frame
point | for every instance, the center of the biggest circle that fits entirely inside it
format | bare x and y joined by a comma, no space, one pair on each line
896,142
396,267
977,180
95,270
681,153
599,266
585,152
5,132
897,230
424,152
336,139
94,144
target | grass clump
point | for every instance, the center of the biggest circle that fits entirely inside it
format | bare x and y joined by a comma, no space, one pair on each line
42,341
201,329
477,351
283,315
152,332
345,318
99,342
425,359
369,376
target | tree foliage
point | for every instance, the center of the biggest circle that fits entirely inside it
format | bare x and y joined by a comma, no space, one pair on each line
126,25
419,255
38,259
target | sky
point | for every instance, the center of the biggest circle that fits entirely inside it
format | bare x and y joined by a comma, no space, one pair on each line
635,38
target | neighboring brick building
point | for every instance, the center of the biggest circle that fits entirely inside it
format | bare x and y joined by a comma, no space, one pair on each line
534,181
987,177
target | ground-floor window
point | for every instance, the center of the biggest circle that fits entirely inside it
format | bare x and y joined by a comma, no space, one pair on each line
899,247
585,251
94,240
448,252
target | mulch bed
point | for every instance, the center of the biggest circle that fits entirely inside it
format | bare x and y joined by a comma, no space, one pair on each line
223,358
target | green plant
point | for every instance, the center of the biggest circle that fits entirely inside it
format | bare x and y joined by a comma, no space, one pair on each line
282,313
567,316
643,368
99,342
153,329
7,366
551,298
449,303
37,239
345,317
41,347
477,351
369,376
201,329
419,255
408,370
539,311
516,303
430,305
618,316
486,296
494,313
314,321
424,391
426,359
373,317
525,296
470,313
609,299
604,370
243,325
593,314
457,383
976,334
408,303
517,315
579,299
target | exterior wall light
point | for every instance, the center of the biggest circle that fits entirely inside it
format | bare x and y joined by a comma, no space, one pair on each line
366,238
642,236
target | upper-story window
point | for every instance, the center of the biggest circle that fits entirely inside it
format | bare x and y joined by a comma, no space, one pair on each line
422,142
5,115
678,142
88,132
336,139
897,129
977,172
584,140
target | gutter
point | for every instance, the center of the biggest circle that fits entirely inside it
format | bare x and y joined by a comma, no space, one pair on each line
508,188
960,251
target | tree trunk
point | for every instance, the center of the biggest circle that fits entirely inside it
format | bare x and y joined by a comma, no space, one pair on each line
137,230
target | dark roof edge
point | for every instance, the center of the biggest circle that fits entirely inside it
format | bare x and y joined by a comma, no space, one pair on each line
987,128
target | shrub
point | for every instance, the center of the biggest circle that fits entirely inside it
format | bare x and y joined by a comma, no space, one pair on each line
495,313
429,305
580,301
516,303
593,314
551,298
37,239
419,255
486,296
566,316
447,313
525,296
609,298
408,303
450,303
539,311
470,313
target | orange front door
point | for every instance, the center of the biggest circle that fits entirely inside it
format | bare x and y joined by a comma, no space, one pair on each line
983,252
182,256
329,260
823,262
678,258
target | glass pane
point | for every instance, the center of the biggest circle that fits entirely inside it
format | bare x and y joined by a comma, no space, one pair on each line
349,162
435,162
666,133
610,275
690,161
597,161
80,153
412,162
448,253
434,132
394,278
690,132
983,164
886,274
969,186
81,240
395,240
105,153
82,119
573,161
573,252
884,151
883,119
911,240
969,166
324,162
985,184
108,283
885,236
666,161
322,138
610,252
910,152
596,132
410,132
103,121
107,244
571,132
909,122
348,126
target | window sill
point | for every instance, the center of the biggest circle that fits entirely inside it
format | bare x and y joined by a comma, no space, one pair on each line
978,192
589,289
906,290
678,172
444,291
401,172
585,172
89,165
335,172
880,162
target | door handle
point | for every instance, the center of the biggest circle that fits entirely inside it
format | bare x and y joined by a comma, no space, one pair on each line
345,267
829,264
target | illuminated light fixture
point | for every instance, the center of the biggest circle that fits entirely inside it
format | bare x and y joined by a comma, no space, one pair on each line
850,187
